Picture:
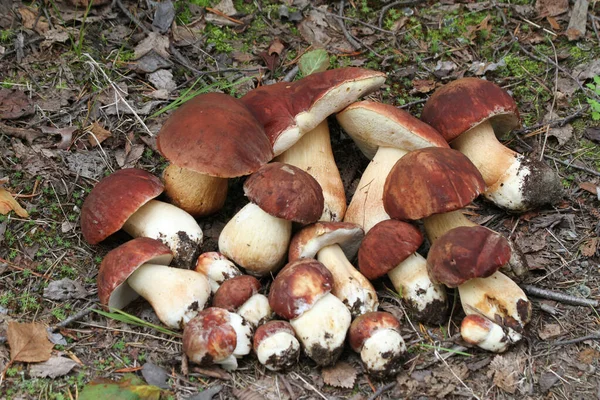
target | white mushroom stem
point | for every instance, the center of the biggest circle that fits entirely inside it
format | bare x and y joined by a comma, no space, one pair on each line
350,286
411,280
485,334
382,350
169,224
256,310
256,240
217,269
498,298
196,193
243,344
278,351
313,154
176,295
322,329
366,207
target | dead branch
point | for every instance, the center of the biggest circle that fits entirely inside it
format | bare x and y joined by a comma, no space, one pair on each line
558,296
28,135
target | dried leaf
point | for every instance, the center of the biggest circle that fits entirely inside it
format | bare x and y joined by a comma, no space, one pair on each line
507,370
590,247
423,85
66,135
65,289
155,375
588,356
14,104
30,19
163,16
154,41
592,133
53,368
589,187
313,61
28,342
207,394
484,25
98,134
340,375
129,387
549,330
276,47
551,8
8,204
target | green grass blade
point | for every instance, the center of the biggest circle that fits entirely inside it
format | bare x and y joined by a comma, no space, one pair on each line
429,346
122,316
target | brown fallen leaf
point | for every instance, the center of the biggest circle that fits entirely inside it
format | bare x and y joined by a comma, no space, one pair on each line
14,104
32,20
549,330
484,25
66,135
589,247
341,375
8,204
423,85
551,8
98,134
276,47
28,342
589,187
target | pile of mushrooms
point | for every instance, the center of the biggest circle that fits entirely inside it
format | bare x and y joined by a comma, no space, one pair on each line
297,268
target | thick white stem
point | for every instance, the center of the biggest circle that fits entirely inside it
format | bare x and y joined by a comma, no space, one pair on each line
256,310
350,286
427,299
169,224
278,351
381,353
176,295
498,298
256,240
313,154
438,224
366,207
322,329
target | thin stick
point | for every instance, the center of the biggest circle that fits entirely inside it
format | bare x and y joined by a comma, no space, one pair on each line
132,17
553,123
73,318
385,9
594,336
347,34
382,389
309,385
558,296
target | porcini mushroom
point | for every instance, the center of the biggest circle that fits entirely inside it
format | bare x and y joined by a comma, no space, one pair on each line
376,337
482,332
217,336
470,113
240,295
208,139
258,236
301,294
276,345
384,134
125,200
217,268
334,244
468,258
139,267
390,248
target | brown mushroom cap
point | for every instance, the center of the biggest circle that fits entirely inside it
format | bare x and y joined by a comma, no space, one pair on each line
114,199
280,106
234,292
209,337
214,134
430,181
365,325
386,245
286,192
298,286
309,240
270,328
120,263
465,253
372,124
465,103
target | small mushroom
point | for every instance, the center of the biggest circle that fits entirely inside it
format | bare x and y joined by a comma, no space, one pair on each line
210,138
217,268
470,113
258,236
376,337
390,248
139,267
485,334
334,244
301,294
124,200
469,258
276,345
240,295
217,336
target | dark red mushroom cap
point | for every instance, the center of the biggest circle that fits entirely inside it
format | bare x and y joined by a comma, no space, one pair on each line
298,286
365,325
114,199
465,103
465,253
234,292
430,181
287,192
120,263
269,329
209,337
386,245
214,134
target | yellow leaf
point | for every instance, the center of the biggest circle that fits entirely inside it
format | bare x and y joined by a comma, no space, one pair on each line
8,204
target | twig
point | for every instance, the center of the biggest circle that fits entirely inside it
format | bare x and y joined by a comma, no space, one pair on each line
358,21
291,75
132,17
593,20
385,8
347,34
222,14
73,318
412,103
558,296
28,135
382,389
594,336
553,123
